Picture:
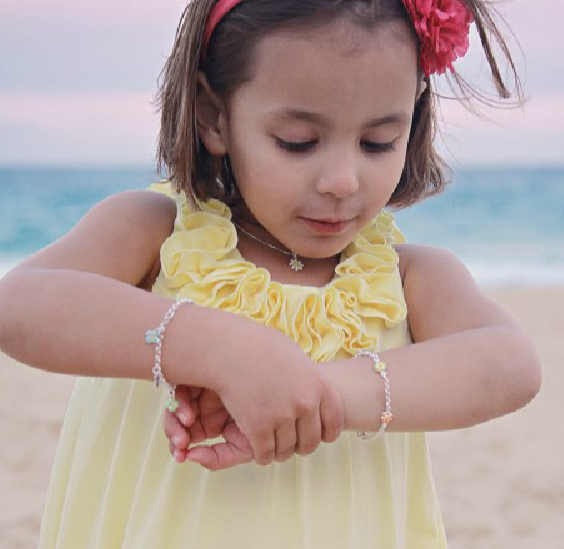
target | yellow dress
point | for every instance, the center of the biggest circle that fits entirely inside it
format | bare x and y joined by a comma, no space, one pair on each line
114,484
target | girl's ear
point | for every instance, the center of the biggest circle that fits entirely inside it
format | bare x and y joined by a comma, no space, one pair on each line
211,118
421,87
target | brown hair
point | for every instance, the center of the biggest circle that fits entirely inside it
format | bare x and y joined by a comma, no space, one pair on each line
228,64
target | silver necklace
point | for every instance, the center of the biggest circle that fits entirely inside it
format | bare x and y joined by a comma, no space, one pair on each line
295,263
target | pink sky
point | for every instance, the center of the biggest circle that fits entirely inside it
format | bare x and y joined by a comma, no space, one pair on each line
77,79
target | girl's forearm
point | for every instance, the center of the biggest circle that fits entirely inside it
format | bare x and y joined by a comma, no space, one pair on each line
450,382
87,325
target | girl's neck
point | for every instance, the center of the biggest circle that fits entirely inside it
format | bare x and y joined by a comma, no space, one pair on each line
316,272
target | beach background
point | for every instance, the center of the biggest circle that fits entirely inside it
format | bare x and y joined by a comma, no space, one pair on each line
501,484
78,123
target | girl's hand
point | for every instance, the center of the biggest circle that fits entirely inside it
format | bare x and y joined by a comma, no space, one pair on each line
236,450
277,396
201,416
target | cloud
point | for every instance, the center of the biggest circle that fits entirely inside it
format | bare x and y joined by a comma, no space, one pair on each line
77,79
520,136
88,128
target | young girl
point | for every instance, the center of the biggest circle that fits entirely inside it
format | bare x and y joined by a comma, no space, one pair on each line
287,127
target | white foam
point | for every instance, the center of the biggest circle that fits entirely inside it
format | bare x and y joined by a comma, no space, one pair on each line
488,275
504,274
7,263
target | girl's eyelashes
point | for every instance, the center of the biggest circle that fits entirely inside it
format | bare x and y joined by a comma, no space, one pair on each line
305,146
296,146
375,147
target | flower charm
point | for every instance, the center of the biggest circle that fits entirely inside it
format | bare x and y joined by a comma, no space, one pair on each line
443,27
172,404
295,263
152,336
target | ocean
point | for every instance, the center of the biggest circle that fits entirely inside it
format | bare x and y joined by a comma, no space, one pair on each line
506,224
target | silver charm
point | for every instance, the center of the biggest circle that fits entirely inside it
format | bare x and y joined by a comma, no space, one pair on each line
296,264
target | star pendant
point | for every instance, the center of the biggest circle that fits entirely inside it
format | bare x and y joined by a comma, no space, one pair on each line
296,264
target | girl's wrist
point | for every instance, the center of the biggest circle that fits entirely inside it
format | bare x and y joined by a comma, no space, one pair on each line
361,390
186,353
333,372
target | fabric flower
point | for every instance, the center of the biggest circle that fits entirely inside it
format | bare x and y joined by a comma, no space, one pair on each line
443,28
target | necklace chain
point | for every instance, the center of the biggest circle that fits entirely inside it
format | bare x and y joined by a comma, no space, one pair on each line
295,263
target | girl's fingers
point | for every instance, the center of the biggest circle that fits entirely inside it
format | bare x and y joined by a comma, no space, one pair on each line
309,434
217,457
236,450
215,424
178,455
286,440
175,431
197,432
264,448
184,412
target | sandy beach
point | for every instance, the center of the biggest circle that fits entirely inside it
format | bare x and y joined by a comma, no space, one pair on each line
501,484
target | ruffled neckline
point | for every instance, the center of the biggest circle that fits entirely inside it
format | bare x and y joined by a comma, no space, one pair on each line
200,260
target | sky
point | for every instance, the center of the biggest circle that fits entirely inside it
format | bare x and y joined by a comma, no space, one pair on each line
77,81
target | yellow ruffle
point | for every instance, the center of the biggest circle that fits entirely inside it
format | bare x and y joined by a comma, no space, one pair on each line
200,260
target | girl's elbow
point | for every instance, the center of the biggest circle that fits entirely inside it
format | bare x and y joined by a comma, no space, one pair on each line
533,377
10,311
525,375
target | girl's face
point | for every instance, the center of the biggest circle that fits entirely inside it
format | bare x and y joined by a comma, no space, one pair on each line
317,140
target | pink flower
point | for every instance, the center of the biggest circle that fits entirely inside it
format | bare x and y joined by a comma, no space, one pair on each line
443,27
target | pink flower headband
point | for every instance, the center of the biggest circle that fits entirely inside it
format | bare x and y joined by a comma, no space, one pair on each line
441,25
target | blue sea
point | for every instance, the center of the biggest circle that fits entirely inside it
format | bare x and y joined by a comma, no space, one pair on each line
507,224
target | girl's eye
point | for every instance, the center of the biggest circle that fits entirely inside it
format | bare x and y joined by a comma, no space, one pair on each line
373,147
297,147
304,146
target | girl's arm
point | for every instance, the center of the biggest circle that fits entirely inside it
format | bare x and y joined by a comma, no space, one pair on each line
470,361
79,307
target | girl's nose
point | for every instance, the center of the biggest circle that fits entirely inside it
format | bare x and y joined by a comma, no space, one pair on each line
339,177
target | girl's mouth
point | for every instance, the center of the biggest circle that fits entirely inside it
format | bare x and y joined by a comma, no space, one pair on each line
323,226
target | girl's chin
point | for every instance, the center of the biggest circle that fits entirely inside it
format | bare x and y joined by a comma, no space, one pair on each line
323,250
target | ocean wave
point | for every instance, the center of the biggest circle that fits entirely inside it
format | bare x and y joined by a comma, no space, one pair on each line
486,274
512,274
8,263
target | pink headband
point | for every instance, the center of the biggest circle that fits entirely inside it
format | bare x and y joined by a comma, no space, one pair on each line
442,26
218,12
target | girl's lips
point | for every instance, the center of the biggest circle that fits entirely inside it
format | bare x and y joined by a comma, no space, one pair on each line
326,227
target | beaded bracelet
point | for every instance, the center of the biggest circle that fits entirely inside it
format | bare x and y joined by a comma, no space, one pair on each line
156,337
386,416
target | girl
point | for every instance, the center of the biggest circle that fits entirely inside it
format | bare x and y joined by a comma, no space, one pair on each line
287,127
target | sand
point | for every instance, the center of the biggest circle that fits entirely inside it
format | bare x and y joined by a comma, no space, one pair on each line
501,484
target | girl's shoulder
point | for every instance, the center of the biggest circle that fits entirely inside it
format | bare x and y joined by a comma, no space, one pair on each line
441,295
415,257
119,238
